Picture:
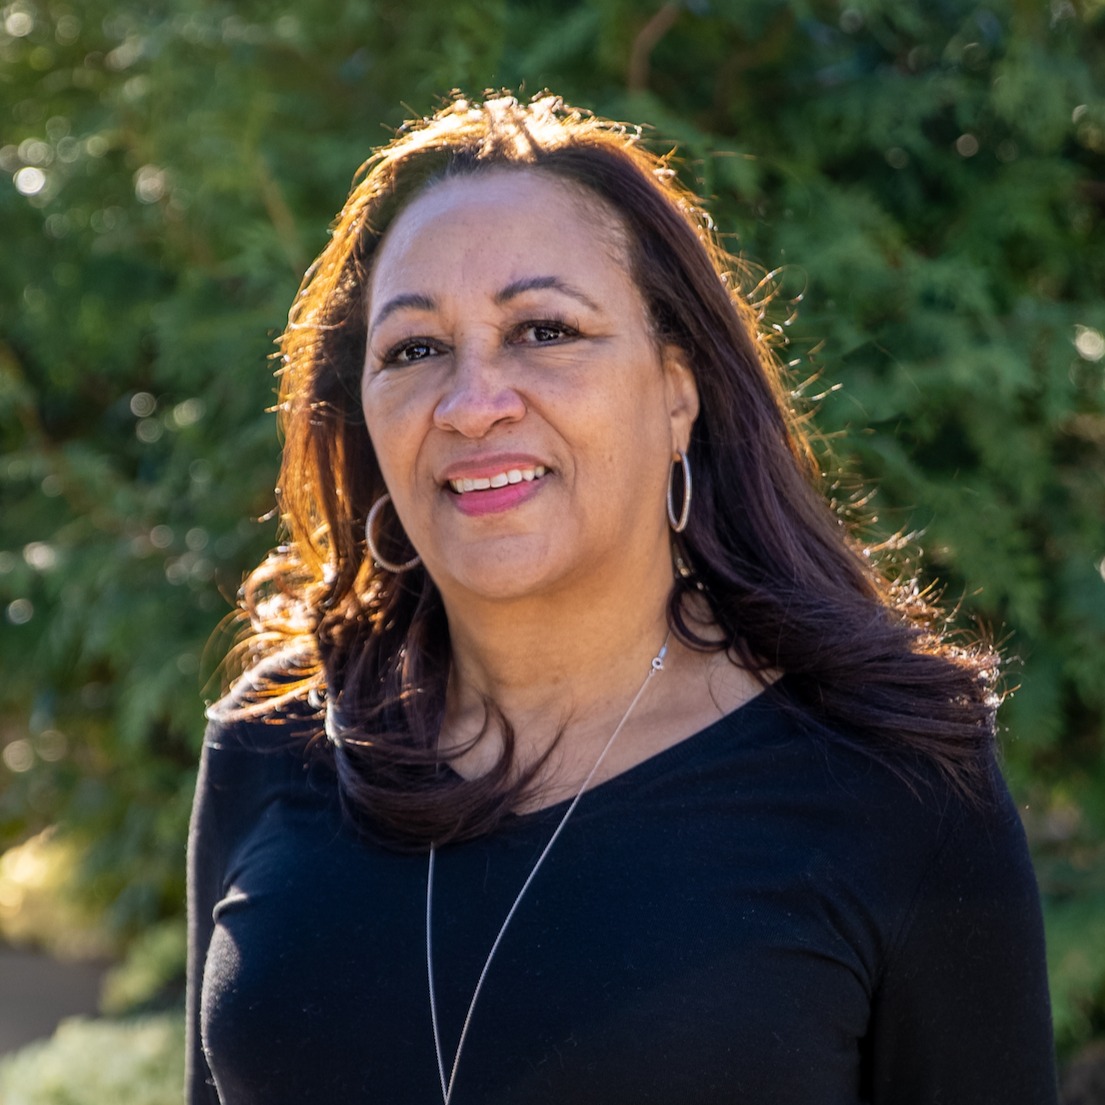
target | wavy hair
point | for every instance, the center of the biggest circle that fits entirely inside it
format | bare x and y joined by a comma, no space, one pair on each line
867,657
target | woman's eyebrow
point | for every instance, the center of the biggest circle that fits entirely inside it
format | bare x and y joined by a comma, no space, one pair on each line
413,300
420,302
539,283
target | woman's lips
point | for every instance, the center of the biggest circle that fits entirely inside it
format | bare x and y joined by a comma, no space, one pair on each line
508,476
495,492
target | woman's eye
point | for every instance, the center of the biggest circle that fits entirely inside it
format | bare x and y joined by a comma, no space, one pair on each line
544,332
407,352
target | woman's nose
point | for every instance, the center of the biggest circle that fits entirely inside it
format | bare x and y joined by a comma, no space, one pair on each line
480,394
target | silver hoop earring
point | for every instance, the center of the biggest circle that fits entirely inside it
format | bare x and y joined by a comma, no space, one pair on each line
387,565
679,523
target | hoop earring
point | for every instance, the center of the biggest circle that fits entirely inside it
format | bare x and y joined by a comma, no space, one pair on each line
370,521
679,523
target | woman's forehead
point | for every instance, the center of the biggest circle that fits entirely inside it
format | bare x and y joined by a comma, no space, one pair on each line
496,222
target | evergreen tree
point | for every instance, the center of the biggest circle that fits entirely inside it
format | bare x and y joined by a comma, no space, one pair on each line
917,189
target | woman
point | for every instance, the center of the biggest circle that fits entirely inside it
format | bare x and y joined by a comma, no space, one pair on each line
581,755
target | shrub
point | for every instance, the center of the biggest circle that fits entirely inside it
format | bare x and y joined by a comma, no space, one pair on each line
100,1062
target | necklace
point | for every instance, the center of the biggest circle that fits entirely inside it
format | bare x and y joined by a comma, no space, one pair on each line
655,667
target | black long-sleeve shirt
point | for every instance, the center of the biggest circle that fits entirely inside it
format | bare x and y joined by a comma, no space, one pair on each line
755,916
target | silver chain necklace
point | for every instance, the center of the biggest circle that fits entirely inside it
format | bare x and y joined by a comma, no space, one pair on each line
655,667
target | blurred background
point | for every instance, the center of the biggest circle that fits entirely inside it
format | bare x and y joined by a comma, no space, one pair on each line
920,182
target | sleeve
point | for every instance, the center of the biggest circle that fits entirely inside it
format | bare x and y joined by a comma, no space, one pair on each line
206,865
961,1015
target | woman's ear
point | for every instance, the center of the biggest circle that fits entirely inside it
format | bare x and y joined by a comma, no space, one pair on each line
682,391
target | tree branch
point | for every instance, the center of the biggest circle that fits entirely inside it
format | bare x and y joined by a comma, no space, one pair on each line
645,42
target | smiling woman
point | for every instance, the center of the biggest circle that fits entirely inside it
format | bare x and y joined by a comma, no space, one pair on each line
534,355
580,753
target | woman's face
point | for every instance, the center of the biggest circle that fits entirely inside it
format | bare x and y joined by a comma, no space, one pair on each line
523,415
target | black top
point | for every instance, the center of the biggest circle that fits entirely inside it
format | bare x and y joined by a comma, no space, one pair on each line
755,916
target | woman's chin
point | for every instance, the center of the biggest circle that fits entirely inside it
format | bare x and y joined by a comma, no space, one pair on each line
504,569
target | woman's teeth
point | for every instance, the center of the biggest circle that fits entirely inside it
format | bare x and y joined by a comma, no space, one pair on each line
500,479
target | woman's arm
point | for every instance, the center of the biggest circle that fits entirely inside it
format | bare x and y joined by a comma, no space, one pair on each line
205,877
961,1016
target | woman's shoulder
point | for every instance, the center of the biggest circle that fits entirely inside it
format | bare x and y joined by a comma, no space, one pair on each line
878,800
270,719
901,837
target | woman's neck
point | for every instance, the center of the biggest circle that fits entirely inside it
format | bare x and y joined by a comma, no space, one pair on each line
565,668
553,659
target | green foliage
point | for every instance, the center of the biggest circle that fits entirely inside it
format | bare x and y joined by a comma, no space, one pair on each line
1076,928
94,1062
37,908
926,181
154,965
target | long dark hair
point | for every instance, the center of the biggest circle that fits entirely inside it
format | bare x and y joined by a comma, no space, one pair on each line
867,657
